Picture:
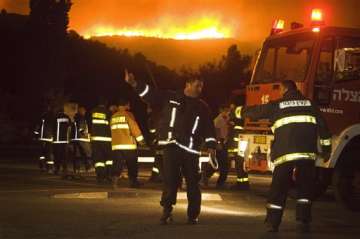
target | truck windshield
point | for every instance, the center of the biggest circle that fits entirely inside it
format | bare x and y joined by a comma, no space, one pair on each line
284,58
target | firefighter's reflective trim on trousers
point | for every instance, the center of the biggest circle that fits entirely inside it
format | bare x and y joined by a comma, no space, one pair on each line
325,142
294,156
50,162
238,112
100,138
145,159
238,127
139,138
46,139
153,131
98,115
41,157
42,128
242,180
303,201
120,126
108,162
100,121
155,170
145,91
123,146
273,206
293,119
99,165
36,132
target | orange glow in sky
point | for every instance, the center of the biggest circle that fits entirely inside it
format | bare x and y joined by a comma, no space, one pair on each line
194,29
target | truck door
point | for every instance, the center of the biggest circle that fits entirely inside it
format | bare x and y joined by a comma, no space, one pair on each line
341,106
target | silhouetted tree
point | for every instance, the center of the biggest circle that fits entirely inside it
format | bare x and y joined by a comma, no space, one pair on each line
50,16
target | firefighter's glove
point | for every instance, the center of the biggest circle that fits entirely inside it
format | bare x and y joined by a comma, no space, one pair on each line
326,152
130,79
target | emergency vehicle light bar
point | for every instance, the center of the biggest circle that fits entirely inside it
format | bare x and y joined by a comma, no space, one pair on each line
317,19
317,15
278,26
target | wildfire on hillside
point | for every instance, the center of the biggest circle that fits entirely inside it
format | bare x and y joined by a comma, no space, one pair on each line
194,29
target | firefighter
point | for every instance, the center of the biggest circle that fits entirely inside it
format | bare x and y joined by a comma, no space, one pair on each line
125,134
242,177
44,134
80,139
297,124
101,142
61,132
185,123
221,123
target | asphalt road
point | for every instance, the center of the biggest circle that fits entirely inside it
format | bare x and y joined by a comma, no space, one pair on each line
38,205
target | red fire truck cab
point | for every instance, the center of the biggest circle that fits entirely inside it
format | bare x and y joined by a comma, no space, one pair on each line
324,62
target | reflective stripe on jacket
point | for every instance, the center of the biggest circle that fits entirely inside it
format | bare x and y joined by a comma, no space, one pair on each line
100,125
297,124
125,132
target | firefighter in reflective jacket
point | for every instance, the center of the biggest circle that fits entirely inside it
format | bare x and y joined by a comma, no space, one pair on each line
44,135
297,124
125,134
242,177
185,123
61,132
101,142
80,139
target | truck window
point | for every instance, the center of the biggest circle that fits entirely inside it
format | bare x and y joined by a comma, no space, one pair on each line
324,69
284,59
324,73
347,59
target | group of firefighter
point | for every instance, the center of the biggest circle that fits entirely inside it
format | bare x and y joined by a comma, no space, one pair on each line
108,137
185,132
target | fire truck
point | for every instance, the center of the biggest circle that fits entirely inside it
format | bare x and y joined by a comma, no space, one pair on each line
324,61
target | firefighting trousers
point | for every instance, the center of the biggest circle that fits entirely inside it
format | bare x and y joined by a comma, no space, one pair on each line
282,179
102,157
46,160
222,157
156,171
61,156
81,155
178,162
130,158
242,176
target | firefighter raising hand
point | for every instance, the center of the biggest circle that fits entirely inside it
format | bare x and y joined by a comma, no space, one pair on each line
130,78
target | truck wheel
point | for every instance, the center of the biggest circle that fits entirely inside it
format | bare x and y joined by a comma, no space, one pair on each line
346,182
